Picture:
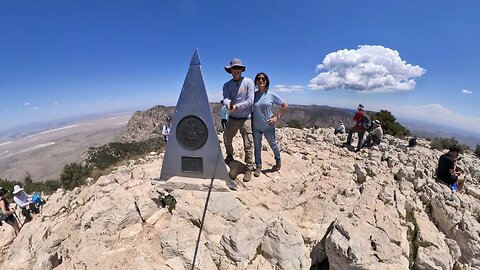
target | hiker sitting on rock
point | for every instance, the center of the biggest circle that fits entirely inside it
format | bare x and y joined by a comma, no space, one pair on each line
446,170
22,199
363,122
340,129
412,142
375,135
6,214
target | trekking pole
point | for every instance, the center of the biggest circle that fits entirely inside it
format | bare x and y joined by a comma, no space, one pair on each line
204,213
15,214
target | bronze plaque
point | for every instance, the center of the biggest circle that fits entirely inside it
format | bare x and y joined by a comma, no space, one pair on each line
192,132
192,164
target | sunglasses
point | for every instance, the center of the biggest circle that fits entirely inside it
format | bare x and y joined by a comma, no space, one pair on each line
236,67
261,79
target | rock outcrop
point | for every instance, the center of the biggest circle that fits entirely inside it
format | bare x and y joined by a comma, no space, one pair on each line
328,208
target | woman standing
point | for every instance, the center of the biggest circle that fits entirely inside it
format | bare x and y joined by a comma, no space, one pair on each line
9,214
264,121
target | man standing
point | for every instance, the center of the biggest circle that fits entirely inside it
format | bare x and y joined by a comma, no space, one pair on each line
358,128
166,129
238,96
446,170
223,115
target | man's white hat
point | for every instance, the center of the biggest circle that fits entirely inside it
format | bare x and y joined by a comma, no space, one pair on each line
17,189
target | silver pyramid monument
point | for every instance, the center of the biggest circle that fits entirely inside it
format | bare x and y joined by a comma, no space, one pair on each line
193,148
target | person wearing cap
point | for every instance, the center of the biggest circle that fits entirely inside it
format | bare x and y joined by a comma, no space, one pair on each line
166,129
224,115
6,213
263,120
238,94
358,128
446,169
21,198
340,129
375,136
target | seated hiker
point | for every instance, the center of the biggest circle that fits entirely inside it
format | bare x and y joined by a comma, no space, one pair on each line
6,214
375,135
340,129
363,122
412,142
446,170
26,204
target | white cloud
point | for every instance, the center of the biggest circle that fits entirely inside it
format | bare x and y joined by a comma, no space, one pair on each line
26,104
35,108
289,88
368,68
55,103
466,91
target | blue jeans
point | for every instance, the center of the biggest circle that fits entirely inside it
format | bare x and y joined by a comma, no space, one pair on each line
257,142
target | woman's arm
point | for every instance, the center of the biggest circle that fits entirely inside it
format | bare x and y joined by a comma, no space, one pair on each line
4,209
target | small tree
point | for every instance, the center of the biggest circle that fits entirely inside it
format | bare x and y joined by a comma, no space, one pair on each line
74,175
389,124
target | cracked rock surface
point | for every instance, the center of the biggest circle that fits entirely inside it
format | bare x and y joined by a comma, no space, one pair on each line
327,208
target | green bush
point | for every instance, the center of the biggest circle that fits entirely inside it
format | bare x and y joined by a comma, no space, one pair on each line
107,155
294,123
445,143
74,175
389,123
477,150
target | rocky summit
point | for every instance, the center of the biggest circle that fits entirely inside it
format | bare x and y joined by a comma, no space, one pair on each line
328,208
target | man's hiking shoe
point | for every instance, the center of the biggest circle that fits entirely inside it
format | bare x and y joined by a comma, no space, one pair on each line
228,159
248,176
258,170
277,166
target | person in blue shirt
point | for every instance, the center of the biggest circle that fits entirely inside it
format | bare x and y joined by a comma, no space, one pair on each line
224,115
263,120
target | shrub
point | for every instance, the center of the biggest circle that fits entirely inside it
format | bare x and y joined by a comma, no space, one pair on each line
74,175
389,123
445,143
294,123
477,150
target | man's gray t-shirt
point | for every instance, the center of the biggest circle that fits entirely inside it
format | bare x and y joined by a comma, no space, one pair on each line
240,94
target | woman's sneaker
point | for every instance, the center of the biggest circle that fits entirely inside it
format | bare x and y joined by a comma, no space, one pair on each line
277,166
258,170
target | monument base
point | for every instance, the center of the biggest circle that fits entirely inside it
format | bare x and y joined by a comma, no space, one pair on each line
195,184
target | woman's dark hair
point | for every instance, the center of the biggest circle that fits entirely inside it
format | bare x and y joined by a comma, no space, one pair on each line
2,192
267,84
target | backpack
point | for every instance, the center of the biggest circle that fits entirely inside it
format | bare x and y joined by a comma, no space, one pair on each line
366,121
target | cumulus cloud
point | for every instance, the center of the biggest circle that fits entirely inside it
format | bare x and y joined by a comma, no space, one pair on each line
26,104
368,68
466,91
288,88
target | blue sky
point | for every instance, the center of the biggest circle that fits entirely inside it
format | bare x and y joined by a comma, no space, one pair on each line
418,59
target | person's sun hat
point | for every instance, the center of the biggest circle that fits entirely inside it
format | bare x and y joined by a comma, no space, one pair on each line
17,189
236,62
360,107
376,122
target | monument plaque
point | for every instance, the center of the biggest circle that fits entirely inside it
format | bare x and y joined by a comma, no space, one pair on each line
193,148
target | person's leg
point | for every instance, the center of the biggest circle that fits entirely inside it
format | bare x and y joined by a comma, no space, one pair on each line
270,136
360,138
247,135
349,137
230,132
26,214
257,141
460,183
224,124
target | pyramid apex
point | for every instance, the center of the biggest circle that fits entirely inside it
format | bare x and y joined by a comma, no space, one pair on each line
195,59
